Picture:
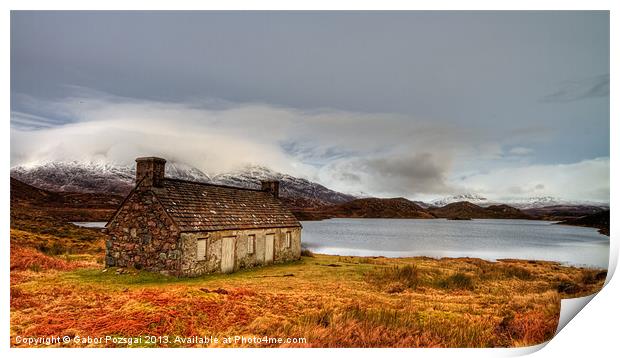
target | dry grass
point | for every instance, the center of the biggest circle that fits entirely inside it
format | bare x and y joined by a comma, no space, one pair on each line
330,301
395,279
24,258
75,240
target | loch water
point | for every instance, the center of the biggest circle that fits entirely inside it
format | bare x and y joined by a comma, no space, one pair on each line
489,239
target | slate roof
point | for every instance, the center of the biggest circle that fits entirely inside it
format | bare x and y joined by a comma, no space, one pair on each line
207,207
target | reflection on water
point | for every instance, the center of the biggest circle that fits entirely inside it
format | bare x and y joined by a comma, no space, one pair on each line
95,224
485,238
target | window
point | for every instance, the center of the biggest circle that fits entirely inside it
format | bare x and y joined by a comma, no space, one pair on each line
288,239
201,249
251,243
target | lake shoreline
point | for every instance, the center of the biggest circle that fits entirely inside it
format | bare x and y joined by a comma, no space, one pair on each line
489,239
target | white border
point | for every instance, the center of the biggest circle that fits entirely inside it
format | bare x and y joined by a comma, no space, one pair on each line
592,332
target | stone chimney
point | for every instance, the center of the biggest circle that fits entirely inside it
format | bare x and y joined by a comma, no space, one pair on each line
151,169
272,187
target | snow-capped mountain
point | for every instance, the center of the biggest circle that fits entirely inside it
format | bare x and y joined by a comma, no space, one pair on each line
290,186
93,177
546,201
98,177
520,203
470,197
185,172
422,204
536,202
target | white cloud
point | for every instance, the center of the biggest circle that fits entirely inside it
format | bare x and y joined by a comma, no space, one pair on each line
379,154
585,180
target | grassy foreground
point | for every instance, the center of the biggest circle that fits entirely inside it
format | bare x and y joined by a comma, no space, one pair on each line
59,288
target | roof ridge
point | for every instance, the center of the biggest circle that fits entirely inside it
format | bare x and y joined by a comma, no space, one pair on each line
211,184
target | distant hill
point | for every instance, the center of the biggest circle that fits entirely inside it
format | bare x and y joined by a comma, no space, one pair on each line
405,209
563,212
467,210
599,220
69,206
22,193
507,212
400,208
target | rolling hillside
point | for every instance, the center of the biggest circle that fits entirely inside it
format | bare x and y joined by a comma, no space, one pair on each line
27,200
467,210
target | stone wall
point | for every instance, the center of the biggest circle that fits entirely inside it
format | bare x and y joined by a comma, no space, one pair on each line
191,266
143,236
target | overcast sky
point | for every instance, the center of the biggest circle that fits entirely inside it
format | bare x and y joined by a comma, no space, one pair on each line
414,104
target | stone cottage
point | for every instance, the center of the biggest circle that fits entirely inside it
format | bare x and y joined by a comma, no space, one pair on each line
185,228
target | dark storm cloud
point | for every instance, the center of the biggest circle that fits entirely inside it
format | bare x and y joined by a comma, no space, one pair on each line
395,174
411,174
404,62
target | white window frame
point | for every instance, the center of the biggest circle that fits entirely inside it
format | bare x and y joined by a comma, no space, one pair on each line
251,244
288,239
199,241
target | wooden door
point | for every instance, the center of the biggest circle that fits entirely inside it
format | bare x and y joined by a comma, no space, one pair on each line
269,239
228,254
